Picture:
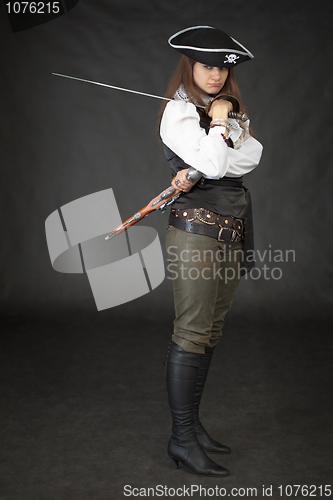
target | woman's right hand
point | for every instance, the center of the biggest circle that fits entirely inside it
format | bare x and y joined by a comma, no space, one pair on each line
180,182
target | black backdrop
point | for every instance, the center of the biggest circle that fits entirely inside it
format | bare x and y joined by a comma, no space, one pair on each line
61,140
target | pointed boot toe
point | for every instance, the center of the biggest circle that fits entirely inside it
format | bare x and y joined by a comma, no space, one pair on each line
195,460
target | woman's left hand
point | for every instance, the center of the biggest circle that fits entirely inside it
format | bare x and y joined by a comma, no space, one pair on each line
181,182
220,109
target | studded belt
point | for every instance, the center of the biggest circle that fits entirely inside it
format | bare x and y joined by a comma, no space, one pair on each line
220,227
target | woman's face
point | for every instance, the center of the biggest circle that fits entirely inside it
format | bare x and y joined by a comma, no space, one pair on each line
209,79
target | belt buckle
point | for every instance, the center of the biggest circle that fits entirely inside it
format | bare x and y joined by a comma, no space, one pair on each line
220,234
233,236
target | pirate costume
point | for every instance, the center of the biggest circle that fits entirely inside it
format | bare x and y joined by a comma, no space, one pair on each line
209,235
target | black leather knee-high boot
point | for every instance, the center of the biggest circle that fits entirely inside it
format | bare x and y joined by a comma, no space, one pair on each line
181,376
207,443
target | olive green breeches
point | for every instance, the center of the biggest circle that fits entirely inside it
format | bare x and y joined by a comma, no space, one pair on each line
205,273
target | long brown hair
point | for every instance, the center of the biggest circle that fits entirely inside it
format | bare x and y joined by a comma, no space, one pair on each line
184,76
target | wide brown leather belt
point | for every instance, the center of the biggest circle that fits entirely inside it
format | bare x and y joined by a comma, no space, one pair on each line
220,227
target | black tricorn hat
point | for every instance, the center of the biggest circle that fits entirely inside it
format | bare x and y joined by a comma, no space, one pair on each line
210,46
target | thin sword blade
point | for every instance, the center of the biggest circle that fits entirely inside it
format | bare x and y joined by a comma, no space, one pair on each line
112,87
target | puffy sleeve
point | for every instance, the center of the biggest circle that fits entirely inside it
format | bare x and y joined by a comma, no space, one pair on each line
180,130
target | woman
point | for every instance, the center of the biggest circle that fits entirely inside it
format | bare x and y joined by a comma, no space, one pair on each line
210,225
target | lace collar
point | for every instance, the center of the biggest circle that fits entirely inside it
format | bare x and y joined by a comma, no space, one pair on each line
181,95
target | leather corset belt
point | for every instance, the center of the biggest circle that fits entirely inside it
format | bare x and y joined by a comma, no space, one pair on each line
220,227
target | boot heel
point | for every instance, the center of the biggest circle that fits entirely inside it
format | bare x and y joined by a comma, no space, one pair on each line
176,461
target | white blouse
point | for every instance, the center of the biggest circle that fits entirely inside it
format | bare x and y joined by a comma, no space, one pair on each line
180,130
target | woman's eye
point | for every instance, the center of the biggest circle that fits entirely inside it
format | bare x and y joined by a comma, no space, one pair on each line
207,67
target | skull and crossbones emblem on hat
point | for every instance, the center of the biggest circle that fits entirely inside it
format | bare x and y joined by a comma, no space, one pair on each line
231,58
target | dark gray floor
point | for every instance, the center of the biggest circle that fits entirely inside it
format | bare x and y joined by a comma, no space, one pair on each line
84,413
